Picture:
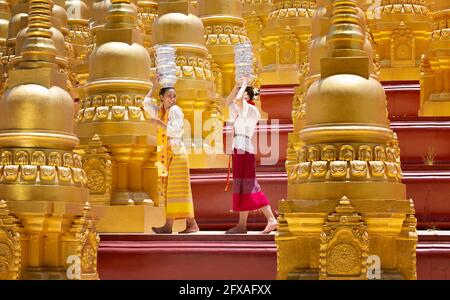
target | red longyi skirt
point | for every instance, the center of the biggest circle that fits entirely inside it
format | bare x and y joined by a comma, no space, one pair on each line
247,194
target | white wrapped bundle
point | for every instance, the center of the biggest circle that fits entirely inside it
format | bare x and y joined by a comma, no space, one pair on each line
243,59
166,66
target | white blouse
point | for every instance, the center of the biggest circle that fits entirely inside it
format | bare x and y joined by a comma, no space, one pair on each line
244,125
175,124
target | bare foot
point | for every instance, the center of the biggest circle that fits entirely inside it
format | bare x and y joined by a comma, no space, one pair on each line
269,228
162,230
191,226
190,229
237,229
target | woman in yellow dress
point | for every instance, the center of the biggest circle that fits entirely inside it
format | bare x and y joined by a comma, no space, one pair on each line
176,185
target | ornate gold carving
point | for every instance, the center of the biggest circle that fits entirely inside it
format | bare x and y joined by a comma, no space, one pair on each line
6,158
11,172
344,244
319,168
365,153
403,47
87,243
118,112
347,153
48,173
338,169
29,173
10,246
54,159
313,154
38,158
377,168
21,158
328,153
305,169
98,168
358,168
102,113
225,34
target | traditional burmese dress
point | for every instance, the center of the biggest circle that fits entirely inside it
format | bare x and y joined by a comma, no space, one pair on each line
176,185
247,194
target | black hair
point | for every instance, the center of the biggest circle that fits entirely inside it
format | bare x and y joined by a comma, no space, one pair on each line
251,92
165,90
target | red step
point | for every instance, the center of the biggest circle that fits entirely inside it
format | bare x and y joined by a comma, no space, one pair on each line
216,256
403,98
429,189
206,256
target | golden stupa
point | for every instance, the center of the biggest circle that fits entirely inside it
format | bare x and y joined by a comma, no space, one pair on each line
345,200
45,223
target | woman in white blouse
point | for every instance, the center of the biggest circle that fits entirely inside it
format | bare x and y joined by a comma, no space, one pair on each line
247,194
176,183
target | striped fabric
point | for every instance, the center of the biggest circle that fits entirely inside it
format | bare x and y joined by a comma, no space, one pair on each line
177,185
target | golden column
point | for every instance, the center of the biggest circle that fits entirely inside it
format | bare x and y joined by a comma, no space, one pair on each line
435,73
400,32
346,206
285,41
256,14
112,115
196,93
79,38
5,16
41,177
224,28
147,14
17,23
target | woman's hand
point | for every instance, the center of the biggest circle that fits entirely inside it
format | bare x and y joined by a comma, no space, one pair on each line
245,81
154,81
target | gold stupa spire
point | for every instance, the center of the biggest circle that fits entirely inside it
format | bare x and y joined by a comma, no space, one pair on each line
39,46
345,37
121,15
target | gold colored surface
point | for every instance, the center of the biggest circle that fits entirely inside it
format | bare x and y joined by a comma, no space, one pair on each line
224,28
401,34
199,80
435,65
135,219
284,41
345,200
41,177
113,109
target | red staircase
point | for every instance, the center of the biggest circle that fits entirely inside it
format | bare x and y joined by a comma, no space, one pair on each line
216,256
425,146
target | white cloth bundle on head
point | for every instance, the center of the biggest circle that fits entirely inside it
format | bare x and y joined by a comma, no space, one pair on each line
166,66
243,60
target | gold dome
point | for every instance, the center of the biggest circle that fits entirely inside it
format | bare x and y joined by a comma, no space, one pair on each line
59,16
117,59
16,23
178,28
37,108
77,10
100,11
346,99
